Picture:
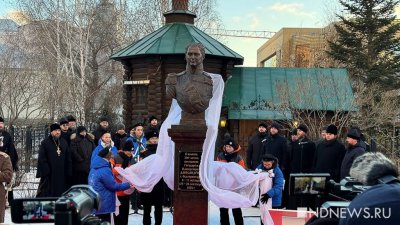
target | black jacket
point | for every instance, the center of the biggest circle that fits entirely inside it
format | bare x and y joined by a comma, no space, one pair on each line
117,139
302,156
53,170
276,145
328,158
254,151
7,146
352,153
98,133
81,152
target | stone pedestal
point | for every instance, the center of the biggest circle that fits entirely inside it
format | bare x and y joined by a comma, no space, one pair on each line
190,198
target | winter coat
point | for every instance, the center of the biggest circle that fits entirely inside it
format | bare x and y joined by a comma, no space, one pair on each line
302,156
254,151
117,161
231,157
328,158
6,173
352,153
102,181
156,196
277,185
276,145
378,205
53,170
66,136
81,152
7,146
117,139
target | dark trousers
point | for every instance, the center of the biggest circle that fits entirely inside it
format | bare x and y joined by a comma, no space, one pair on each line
237,216
122,218
158,213
105,217
135,200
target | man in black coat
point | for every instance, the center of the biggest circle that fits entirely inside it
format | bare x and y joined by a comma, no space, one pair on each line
354,149
119,136
65,132
329,154
302,153
54,164
82,146
276,145
101,129
7,145
254,151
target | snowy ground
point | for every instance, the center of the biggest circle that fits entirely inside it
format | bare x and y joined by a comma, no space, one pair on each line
251,216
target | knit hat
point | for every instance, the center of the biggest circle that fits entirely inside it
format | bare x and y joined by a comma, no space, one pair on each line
152,118
1,120
276,126
137,124
63,121
263,124
103,118
71,118
151,133
55,126
80,129
231,142
353,133
128,146
120,126
103,153
269,158
303,127
332,129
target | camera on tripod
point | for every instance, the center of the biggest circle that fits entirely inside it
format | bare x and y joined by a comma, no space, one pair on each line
347,189
74,207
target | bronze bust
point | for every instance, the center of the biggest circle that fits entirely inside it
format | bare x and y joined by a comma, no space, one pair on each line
193,87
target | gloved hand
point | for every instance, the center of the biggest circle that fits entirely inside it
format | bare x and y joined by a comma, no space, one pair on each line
264,198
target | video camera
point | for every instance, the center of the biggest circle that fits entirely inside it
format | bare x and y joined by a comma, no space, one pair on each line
347,189
74,207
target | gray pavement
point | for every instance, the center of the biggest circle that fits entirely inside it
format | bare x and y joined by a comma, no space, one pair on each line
251,216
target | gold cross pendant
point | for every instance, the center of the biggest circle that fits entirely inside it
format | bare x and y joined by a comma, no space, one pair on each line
58,151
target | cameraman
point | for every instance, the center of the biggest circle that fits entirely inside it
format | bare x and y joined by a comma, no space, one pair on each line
378,204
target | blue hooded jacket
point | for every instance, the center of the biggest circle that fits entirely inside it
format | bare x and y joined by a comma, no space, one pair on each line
102,180
277,186
95,153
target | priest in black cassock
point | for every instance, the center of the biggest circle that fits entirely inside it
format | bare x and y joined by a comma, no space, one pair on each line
54,164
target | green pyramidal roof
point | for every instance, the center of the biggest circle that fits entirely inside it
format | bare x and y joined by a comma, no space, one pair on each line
173,39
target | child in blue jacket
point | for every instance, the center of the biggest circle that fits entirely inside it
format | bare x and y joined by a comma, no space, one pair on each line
102,180
270,165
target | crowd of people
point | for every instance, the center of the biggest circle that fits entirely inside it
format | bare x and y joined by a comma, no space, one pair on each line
71,155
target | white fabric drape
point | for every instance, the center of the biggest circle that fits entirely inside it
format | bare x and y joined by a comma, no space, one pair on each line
228,184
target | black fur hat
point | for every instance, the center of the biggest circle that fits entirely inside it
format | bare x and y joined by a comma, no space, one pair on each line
63,121
71,118
332,129
80,129
103,153
1,120
152,118
269,158
128,146
151,133
262,124
276,126
55,126
303,127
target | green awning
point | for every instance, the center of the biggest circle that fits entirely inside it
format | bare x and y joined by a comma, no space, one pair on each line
275,93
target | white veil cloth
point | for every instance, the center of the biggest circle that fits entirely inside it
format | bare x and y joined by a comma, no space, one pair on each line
228,184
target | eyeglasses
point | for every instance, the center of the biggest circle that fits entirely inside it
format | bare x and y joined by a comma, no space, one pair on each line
66,125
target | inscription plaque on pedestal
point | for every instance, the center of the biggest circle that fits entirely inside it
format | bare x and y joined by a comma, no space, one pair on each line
188,173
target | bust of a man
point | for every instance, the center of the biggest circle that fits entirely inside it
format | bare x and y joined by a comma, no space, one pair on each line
191,88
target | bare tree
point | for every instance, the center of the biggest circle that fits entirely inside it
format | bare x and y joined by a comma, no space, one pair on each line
315,100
